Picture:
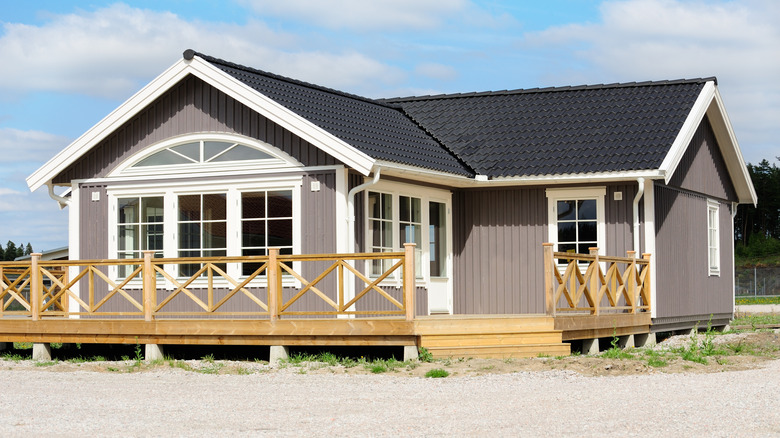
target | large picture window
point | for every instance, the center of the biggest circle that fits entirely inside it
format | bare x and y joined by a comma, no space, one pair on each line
202,224
266,222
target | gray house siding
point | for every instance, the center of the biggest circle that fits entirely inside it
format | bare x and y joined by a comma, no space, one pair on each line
189,107
702,168
685,290
93,223
498,236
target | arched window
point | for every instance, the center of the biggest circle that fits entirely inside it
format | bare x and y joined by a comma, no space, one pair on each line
202,152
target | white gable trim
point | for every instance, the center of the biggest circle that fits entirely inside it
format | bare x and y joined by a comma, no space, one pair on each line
710,103
296,124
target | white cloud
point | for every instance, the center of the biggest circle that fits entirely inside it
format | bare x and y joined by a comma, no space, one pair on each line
111,52
397,15
636,40
28,146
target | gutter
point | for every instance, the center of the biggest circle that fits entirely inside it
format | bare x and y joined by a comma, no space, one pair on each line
640,192
62,201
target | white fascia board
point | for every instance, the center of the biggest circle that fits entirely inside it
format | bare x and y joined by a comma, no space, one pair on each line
680,144
224,82
448,179
105,127
732,153
283,116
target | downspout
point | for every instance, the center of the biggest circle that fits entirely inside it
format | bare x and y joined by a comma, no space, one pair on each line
62,201
351,208
637,198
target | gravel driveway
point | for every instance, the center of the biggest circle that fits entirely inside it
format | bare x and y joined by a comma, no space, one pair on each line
282,403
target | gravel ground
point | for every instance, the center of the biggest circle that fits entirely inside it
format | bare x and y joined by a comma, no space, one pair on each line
173,402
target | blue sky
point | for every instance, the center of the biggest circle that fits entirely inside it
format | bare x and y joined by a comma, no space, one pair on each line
66,65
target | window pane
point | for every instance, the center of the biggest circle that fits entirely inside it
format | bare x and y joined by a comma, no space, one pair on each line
128,237
376,236
416,210
567,232
568,247
162,158
387,206
566,210
189,150
214,235
404,208
152,236
253,233
241,153
584,248
214,207
189,208
152,208
410,233
280,232
586,231
211,148
253,205
250,268
128,210
387,234
586,209
373,205
189,235
280,204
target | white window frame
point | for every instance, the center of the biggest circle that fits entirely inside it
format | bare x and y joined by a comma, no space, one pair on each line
233,189
426,196
577,193
713,212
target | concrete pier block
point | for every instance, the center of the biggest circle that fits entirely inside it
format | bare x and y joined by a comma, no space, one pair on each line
278,353
153,352
410,352
644,340
590,346
626,342
3,346
41,352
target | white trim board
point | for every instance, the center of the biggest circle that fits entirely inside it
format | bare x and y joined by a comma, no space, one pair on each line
275,112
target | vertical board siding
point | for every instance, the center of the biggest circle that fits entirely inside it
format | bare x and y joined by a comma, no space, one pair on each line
683,284
191,106
93,223
702,168
497,239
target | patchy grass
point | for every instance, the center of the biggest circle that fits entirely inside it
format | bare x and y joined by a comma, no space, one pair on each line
756,320
748,300
437,373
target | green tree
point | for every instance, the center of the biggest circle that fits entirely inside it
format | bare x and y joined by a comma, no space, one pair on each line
28,249
10,251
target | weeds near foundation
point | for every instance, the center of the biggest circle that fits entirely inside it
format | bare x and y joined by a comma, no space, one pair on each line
14,357
139,357
615,352
437,373
424,355
46,363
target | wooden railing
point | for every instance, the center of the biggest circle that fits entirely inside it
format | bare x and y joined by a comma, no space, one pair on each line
42,289
577,283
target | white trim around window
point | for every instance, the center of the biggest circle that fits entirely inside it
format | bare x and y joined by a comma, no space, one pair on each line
232,191
576,194
713,237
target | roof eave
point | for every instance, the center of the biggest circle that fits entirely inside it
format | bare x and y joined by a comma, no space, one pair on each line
231,86
709,103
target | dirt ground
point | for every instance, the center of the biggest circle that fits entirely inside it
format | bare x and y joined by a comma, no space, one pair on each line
730,352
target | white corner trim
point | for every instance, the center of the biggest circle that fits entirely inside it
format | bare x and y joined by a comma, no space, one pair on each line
225,83
649,205
684,136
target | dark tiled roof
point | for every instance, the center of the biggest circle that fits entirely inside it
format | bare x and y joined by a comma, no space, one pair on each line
381,131
548,131
603,128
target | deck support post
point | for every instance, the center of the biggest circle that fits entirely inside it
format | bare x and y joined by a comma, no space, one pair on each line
644,339
150,287
626,341
590,347
41,352
410,353
409,280
278,353
153,352
35,287
549,265
272,274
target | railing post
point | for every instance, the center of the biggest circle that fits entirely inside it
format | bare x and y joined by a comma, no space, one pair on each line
646,284
549,293
150,286
35,286
272,274
631,286
594,281
409,280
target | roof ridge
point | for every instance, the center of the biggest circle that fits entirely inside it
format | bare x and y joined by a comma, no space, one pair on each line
392,100
282,78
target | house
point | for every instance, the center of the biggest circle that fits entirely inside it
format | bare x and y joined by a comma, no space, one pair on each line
215,159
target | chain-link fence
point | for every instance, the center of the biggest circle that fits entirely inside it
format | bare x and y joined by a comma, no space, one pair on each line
757,281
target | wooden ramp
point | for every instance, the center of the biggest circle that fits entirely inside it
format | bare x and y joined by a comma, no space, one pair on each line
490,336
